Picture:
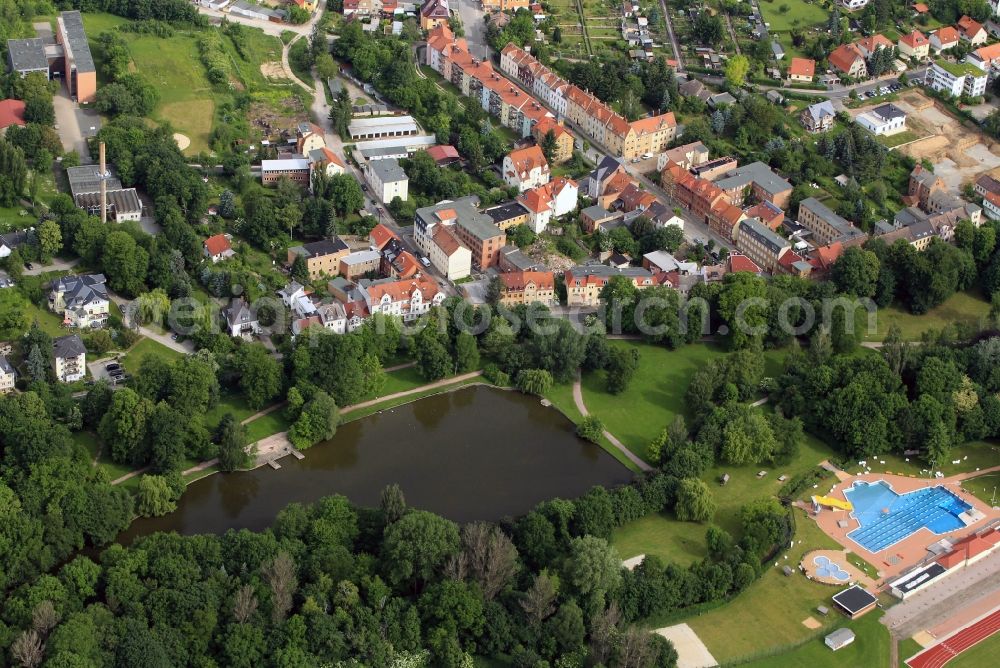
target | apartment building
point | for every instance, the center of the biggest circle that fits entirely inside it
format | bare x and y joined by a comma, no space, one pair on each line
387,179
82,300
826,226
408,299
322,257
584,283
762,245
528,287
473,229
296,169
8,376
448,255
956,79
69,358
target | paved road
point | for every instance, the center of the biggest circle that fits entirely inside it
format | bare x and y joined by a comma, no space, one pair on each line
939,601
472,15
270,28
673,38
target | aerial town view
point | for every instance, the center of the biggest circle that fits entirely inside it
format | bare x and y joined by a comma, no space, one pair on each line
500,333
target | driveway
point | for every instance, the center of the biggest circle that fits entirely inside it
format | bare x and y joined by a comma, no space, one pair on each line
56,265
70,132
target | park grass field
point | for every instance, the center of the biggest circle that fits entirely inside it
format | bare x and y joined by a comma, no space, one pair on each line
132,359
770,612
653,398
869,649
961,308
799,14
663,536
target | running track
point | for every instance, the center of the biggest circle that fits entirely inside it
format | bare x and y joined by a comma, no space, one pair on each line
949,648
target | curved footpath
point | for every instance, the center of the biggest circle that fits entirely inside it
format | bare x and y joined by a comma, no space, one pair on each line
580,406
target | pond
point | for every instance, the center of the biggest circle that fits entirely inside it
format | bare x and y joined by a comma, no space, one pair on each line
474,454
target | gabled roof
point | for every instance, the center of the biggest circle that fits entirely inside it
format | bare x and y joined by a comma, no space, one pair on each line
536,200
987,54
802,67
217,245
399,291
874,43
381,235
844,57
446,241
914,39
517,280
946,35
969,27
324,154
435,9
526,159
443,153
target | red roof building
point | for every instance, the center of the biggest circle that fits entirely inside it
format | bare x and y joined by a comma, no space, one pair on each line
738,262
802,69
443,154
11,113
380,236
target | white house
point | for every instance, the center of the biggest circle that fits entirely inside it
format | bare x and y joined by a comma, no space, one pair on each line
387,179
852,5
83,300
7,376
448,255
407,299
239,319
217,248
295,298
10,241
991,205
551,200
887,119
69,358
525,168
675,220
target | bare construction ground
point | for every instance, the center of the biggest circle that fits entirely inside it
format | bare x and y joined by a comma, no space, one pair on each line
959,154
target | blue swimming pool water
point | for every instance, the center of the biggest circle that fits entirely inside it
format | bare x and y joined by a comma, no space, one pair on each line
887,517
830,569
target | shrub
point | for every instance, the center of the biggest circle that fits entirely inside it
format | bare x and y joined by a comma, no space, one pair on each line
590,428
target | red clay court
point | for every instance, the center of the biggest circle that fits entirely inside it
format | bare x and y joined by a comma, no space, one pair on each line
949,648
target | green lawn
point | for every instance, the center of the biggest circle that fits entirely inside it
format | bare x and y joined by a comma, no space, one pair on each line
907,648
971,456
869,649
655,395
961,308
229,402
267,425
799,15
775,603
132,360
89,441
50,323
664,536
978,655
985,487
899,138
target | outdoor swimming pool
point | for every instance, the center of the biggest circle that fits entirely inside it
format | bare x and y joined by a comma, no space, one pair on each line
825,568
887,517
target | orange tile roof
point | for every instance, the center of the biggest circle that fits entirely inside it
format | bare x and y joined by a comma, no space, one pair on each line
771,215
788,259
875,42
330,156
654,123
549,124
946,35
11,113
517,280
739,262
914,39
446,214
403,290
381,235
992,198
728,212
526,159
988,53
969,26
802,67
921,8
537,199
446,241
443,152
844,56
407,265
827,255
218,244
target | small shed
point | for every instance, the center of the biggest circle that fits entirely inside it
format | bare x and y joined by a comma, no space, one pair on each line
839,638
761,474
787,570
724,479
823,610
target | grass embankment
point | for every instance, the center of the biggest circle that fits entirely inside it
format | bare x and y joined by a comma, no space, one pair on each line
964,308
984,487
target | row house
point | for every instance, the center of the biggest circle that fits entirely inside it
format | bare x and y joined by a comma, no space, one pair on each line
604,125
563,139
826,226
584,283
762,182
528,287
931,194
406,299
706,201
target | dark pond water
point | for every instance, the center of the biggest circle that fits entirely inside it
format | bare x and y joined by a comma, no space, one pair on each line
475,454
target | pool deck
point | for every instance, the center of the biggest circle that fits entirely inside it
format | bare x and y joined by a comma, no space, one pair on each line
913,548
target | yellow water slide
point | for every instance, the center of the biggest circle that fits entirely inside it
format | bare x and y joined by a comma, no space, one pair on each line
832,502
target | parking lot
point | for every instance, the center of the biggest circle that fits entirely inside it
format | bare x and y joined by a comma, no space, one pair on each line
108,369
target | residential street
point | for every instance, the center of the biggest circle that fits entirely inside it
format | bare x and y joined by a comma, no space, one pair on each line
472,16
